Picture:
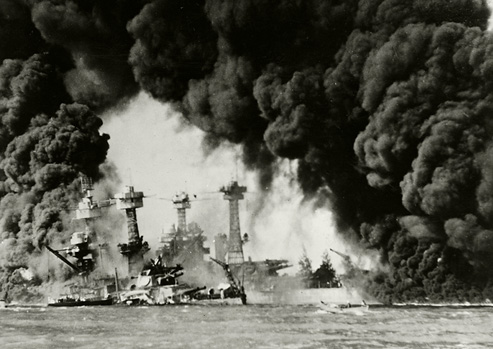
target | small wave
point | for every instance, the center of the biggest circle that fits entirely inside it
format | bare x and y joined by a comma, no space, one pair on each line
439,305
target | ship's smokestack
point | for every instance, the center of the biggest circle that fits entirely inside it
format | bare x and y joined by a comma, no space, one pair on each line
134,250
233,193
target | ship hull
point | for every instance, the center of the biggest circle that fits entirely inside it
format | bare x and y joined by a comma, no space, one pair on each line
219,301
307,296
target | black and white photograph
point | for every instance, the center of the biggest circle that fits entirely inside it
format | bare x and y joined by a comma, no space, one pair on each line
261,174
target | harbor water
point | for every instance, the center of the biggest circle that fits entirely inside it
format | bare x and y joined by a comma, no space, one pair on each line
251,326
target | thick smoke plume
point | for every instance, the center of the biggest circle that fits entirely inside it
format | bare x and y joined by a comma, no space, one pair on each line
46,140
385,105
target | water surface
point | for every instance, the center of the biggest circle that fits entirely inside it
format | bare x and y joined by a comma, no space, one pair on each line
252,326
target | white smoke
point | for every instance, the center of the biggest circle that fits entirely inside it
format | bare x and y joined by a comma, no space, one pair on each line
156,154
286,226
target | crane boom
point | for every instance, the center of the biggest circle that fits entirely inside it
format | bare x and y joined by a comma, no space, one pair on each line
235,285
65,260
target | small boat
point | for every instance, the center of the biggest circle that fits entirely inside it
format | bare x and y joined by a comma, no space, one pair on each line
84,294
72,302
344,308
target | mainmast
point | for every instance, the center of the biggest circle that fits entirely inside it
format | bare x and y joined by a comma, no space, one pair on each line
135,249
233,193
182,202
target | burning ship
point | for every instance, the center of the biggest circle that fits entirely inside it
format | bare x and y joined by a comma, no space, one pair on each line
155,282
229,249
182,249
261,279
143,283
152,282
81,254
184,245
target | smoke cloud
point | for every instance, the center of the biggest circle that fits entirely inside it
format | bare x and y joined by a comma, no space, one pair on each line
385,106
46,140
385,103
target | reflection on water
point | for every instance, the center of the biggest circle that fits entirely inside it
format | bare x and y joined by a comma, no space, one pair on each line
252,326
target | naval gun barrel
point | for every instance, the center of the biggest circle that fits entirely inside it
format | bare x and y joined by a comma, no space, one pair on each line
346,258
277,264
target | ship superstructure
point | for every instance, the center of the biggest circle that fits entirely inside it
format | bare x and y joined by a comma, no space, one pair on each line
184,243
80,255
87,211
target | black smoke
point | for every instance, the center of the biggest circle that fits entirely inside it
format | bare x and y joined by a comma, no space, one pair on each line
47,140
385,105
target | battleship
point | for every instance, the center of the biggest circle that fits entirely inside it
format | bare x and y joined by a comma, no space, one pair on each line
185,244
150,282
81,256
261,279
233,278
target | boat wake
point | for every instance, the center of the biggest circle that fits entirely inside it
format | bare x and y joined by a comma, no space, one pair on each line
358,309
